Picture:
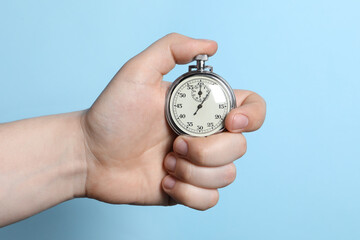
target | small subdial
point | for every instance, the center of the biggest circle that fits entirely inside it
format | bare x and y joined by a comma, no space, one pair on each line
199,91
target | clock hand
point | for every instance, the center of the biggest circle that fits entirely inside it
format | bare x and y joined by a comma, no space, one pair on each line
198,107
200,92
206,97
201,104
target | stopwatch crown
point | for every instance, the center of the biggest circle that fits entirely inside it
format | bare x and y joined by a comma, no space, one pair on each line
201,57
200,63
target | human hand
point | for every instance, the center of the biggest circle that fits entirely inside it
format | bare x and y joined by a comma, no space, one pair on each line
127,137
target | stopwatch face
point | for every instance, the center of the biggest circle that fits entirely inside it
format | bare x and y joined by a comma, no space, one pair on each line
199,104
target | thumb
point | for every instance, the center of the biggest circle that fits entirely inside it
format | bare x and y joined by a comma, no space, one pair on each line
249,114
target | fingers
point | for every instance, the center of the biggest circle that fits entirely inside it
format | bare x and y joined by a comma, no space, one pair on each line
216,150
201,165
190,195
249,114
205,177
172,49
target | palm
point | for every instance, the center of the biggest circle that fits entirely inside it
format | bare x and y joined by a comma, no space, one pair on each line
126,134
130,112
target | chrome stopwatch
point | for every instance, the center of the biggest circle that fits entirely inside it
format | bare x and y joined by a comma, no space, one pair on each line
198,101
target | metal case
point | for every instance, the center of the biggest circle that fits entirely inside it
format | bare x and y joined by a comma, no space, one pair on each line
201,71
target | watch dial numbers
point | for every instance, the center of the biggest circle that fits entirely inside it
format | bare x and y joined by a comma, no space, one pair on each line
218,116
199,106
210,124
222,105
199,91
189,87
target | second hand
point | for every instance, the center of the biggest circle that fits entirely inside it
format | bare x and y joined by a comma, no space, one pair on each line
201,104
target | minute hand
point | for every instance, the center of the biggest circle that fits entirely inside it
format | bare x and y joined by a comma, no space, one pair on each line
201,104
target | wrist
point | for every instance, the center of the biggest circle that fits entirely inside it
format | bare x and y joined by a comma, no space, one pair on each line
78,154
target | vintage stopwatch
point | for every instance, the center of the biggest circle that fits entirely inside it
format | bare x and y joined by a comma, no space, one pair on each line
198,101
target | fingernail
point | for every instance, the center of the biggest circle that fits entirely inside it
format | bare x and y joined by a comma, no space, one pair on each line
169,182
180,146
240,121
170,163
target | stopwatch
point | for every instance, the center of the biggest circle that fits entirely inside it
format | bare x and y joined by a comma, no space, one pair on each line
198,101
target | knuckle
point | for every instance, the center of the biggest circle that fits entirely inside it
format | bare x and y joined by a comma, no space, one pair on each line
213,200
185,172
261,113
243,145
230,174
201,154
173,35
186,198
262,100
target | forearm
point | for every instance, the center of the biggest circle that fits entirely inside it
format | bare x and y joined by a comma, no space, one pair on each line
42,163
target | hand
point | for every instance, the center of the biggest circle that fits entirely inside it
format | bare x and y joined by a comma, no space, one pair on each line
201,104
127,137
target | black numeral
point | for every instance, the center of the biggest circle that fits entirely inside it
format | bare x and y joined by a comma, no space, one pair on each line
199,127
182,95
218,116
222,106
210,124
179,105
182,116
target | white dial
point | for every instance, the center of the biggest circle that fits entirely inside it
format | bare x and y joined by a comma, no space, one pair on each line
199,104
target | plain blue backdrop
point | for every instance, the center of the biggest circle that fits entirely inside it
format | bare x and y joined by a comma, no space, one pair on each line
300,178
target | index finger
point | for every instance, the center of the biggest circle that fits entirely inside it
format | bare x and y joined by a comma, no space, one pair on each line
212,151
161,57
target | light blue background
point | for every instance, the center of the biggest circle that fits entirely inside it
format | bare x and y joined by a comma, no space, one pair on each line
301,175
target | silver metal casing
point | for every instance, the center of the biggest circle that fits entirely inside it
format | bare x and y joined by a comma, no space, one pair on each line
202,73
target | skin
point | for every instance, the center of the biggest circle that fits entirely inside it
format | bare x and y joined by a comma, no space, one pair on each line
121,149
